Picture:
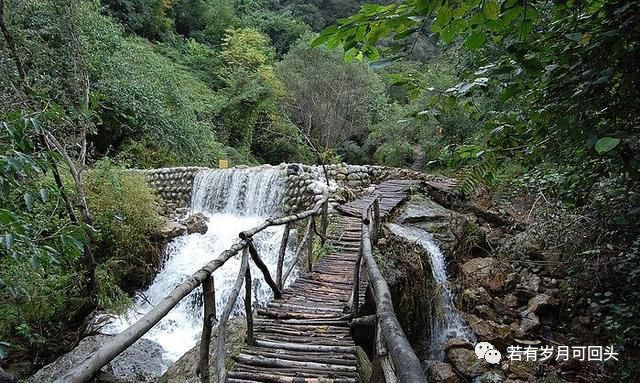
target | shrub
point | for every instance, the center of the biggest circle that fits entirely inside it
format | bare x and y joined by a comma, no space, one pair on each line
395,153
125,215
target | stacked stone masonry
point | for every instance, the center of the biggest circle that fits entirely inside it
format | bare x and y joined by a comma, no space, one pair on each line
304,184
173,185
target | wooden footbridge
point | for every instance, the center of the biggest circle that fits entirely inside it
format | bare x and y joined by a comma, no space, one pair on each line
303,335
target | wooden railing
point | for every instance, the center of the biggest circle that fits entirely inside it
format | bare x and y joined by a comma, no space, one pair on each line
85,371
397,358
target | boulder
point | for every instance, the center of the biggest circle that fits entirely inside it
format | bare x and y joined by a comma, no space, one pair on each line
441,372
490,377
196,223
142,362
466,362
457,343
484,272
171,230
542,304
7,378
475,296
499,335
523,369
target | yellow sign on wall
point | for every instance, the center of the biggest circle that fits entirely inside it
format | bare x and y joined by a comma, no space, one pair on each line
223,164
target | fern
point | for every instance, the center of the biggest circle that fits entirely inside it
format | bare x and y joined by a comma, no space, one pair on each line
484,172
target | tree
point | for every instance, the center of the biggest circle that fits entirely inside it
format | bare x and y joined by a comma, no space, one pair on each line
330,100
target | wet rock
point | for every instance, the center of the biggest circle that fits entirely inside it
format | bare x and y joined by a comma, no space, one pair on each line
489,331
441,372
172,230
142,362
365,368
196,223
184,369
485,272
486,312
475,296
457,343
466,362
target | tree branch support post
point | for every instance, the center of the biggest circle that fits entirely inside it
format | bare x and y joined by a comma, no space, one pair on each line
222,325
248,306
209,297
277,294
281,253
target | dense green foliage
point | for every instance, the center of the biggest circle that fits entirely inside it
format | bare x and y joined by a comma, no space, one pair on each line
537,97
512,94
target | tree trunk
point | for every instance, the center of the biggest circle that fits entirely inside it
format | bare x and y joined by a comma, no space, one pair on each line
13,49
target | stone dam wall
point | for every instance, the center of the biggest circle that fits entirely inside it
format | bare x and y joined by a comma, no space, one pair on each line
304,184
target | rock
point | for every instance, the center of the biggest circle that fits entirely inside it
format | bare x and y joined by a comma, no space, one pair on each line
457,343
489,331
529,323
484,272
365,368
510,300
171,230
184,369
486,312
523,369
475,296
466,362
542,304
441,372
490,377
529,281
196,223
7,378
142,362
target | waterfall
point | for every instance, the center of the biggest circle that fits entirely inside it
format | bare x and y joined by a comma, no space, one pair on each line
445,321
243,192
233,200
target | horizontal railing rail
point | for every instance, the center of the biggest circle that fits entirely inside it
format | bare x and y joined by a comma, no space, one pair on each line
397,358
86,370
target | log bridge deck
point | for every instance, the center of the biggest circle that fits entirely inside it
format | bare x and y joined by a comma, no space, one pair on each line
305,336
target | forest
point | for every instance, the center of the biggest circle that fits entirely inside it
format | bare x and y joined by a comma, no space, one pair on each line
532,102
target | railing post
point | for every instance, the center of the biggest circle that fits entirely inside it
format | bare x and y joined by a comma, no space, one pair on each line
222,325
209,298
355,291
248,307
309,244
376,221
281,254
324,222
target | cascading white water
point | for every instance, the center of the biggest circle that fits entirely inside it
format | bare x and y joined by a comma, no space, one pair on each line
445,320
233,200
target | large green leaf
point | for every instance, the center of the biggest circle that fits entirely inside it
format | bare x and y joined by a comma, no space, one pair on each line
606,144
491,10
475,40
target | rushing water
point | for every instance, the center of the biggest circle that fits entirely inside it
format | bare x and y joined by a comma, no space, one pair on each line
234,200
445,320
